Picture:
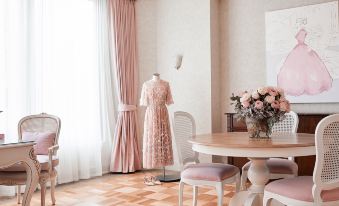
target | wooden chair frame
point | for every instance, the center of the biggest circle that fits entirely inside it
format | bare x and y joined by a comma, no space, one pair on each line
51,174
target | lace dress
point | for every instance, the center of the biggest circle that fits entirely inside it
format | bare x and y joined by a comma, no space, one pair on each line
157,141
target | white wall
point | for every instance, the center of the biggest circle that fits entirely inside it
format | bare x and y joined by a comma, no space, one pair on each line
242,37
168,28
147,48
183,27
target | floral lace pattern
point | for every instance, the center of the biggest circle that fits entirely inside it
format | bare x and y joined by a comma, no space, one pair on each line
157,141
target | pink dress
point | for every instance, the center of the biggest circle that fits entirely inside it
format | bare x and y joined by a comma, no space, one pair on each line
157,142
303,71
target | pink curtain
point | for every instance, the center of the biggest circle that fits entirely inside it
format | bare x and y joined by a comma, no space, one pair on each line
125,153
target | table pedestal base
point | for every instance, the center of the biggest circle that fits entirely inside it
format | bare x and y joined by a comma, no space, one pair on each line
258,174
246,198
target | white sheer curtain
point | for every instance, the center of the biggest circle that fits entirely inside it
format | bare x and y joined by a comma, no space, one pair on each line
54,58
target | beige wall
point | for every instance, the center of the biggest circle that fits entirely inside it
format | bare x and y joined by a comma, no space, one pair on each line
215,67
242,38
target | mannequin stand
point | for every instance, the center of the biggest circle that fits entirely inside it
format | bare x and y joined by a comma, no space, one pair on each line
169,178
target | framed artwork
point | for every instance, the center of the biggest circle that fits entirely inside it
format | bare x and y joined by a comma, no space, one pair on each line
302,52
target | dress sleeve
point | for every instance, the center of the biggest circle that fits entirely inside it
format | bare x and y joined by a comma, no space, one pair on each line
169,99
144,98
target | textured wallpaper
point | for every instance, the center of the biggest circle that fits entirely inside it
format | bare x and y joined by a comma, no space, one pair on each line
242,37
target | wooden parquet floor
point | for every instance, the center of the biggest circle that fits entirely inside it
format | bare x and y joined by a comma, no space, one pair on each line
123,190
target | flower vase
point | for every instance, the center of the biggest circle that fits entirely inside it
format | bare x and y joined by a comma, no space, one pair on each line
258,128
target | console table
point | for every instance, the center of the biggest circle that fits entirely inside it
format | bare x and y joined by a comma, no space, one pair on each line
19,152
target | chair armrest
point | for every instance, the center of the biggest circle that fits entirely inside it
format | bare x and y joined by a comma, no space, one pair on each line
51,151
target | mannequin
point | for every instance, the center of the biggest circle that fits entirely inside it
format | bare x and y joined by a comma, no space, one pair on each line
157,140
156,77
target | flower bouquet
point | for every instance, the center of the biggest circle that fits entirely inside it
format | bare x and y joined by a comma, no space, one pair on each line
261,109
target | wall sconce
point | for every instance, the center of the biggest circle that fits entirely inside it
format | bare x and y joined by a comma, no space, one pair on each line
178,61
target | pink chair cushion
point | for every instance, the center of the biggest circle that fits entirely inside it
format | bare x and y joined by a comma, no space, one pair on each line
44,140
209,171
42,159
300,188
278,166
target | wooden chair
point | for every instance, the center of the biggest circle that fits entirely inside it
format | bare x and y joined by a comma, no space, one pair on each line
44,129
278,167
198,174
323,187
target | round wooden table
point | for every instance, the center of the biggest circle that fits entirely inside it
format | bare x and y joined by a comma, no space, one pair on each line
238,144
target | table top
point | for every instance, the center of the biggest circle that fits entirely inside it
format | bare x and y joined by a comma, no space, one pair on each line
9,141
242,140
238,144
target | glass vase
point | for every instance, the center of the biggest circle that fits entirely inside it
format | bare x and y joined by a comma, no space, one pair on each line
258,128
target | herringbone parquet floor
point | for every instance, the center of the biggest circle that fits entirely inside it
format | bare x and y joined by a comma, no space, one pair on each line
124,190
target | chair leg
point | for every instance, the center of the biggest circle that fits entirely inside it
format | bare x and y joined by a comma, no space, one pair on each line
237,182
53,181
18,194
195,195
181,192
220,192
267,201
243,179
43,192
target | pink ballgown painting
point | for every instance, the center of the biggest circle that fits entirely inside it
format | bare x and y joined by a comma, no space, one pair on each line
303,72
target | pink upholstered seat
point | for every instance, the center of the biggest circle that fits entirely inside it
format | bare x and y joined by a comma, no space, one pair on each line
42,159
300,188
209,171
278,166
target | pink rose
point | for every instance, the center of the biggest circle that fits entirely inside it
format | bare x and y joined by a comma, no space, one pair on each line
255,95
282,99
259,104
263,90
273,92
270,99
246,97
285,106
245,104
275,104
280,91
